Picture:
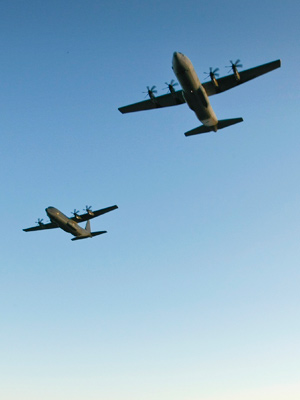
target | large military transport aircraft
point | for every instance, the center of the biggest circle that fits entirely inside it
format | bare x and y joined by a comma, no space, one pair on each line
60,220
196,94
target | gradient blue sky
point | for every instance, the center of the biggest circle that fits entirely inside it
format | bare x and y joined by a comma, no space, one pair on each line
193,294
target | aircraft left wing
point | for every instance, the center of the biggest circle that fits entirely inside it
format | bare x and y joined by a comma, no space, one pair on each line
231,81
40,227
166,100
93,214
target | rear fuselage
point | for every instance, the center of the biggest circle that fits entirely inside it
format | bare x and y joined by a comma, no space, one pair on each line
65,223
193,92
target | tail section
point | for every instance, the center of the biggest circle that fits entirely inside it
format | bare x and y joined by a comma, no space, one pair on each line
88,232
88,229
221,124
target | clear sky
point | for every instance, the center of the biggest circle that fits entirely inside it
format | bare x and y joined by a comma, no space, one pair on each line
193,294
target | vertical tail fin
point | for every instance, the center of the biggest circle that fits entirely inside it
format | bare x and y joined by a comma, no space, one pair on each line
88,226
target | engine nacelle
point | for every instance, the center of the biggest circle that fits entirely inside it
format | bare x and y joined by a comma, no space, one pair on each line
213,79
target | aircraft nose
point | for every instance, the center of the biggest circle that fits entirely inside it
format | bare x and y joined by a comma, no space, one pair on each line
175,56
48,210
177,61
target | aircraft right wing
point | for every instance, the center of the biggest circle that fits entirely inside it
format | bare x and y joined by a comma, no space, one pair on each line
41,226
230,81
166,100
93,214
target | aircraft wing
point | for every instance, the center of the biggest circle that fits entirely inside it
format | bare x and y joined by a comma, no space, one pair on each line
51,225
230,81
93,214
166,100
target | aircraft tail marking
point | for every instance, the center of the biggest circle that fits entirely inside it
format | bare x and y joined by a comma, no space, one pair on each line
223,123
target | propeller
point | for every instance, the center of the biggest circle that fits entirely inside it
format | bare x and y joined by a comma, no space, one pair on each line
234,65
75,213
40,221
88,209
212,73
150,92
170,86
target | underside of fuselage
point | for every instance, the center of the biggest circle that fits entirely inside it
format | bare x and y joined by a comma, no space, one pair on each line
196,95
193,92
203,110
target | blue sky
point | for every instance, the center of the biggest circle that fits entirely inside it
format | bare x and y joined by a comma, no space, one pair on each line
193,292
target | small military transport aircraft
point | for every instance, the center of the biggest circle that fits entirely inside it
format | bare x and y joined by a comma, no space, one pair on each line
196,94
60,220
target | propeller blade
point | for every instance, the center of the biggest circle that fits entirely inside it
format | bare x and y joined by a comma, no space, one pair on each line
173,83
150,92
212,73
170,86
75,212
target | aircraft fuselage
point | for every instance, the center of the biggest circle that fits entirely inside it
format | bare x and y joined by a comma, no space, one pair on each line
65,223
193,92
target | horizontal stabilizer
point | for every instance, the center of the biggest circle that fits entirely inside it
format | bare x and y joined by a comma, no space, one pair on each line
80,237
221,124
199,129
86,237
98,233
227,122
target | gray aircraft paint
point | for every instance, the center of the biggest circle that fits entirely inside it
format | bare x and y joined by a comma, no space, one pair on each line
70,225
66,224
196,94
193,92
